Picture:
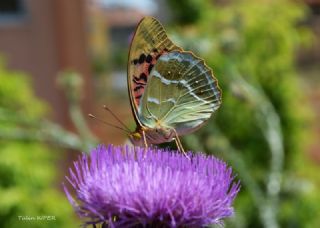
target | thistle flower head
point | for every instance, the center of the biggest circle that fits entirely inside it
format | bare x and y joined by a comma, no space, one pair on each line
136,187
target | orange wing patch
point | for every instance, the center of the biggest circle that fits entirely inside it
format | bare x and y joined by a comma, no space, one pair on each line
143,67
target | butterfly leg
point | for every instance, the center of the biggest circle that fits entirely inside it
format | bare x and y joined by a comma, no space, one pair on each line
144,139
179,144
145,142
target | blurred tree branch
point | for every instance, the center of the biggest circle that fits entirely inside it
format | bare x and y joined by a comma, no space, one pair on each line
18,127
268,120
71,83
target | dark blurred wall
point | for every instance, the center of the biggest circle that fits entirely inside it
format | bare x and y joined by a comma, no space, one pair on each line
43,37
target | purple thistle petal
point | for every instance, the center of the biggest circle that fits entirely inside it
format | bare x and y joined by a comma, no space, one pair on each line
137,187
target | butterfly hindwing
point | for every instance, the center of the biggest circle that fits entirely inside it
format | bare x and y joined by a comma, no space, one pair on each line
149,43
181,93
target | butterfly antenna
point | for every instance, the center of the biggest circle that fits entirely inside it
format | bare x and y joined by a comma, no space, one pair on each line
117,118
109,124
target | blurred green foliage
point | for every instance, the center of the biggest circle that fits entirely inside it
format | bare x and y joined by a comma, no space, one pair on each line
260,40
186,12
256,41
27,169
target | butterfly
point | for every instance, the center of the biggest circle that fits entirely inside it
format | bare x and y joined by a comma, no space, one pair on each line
172,91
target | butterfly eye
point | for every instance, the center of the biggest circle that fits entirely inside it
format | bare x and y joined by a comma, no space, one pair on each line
136,136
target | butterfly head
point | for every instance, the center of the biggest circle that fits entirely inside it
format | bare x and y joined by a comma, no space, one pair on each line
136,138
155,135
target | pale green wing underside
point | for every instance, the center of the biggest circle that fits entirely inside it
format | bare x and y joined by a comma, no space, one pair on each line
181,93
151,39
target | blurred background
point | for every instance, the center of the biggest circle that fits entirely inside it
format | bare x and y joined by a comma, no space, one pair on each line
60,60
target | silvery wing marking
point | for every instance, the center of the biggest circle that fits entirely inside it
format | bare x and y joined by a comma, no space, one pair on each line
181,93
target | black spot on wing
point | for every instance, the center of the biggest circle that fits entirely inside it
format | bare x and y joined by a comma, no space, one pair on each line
138,87
149,58
142,58
150,68
139,83
135,61
143,77
138,97
136,81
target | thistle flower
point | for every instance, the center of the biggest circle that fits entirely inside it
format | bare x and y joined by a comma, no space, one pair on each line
137,187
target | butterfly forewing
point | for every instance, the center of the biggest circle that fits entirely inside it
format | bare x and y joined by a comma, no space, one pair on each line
181,93
149,43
